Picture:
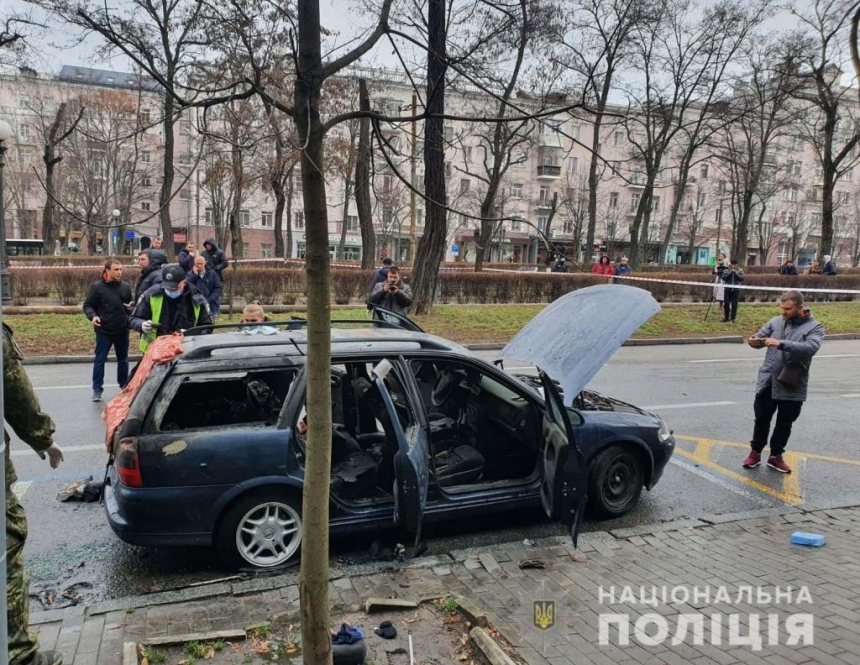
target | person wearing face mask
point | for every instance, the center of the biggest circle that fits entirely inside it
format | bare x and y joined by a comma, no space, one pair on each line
170,307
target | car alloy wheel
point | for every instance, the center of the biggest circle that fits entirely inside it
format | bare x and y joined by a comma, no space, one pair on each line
268,534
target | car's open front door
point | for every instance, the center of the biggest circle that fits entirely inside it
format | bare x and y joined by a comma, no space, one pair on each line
564,473
411,462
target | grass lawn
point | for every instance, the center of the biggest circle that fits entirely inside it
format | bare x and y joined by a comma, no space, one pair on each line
66,334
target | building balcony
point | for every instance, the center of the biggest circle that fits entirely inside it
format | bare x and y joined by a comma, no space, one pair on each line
637,183
547,171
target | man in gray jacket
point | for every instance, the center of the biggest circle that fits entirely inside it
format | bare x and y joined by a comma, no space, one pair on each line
793,338
393,294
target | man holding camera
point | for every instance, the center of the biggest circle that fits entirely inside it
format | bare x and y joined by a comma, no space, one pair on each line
733,276
393,294
791,339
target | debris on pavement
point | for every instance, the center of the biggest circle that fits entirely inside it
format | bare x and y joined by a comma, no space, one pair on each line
88,491
531,563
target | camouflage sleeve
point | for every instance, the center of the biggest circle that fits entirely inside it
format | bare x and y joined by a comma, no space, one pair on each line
21,406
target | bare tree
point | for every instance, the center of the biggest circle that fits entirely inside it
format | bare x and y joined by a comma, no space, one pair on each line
832,123
600,39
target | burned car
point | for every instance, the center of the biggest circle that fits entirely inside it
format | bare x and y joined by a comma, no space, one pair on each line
210,447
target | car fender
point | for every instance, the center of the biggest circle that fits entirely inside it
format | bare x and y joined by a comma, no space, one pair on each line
637,443
229,497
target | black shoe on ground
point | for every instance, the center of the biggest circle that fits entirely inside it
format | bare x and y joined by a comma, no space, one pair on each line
97,395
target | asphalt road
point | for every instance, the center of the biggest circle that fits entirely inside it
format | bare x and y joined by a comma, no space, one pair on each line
704,392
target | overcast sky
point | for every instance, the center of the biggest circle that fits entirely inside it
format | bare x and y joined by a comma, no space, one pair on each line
345,17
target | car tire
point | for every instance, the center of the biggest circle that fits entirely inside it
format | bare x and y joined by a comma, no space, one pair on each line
262,530
615,479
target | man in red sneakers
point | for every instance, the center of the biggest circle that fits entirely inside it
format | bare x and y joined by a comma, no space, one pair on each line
791,340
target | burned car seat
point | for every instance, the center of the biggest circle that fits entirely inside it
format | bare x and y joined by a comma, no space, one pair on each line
355,477
460,465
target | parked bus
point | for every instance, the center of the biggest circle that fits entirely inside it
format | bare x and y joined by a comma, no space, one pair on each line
25,247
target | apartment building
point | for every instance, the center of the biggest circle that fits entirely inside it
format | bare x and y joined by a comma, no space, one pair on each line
548,161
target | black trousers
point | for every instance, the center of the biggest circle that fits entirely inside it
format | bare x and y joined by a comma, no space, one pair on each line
730,303
786,413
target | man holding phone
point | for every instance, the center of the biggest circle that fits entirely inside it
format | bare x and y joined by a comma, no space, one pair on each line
393,294
791,340
107,306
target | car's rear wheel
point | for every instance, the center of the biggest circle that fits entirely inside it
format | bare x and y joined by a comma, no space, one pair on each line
262,530
615,479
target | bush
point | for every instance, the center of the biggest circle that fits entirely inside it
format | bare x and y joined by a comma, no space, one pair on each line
348,284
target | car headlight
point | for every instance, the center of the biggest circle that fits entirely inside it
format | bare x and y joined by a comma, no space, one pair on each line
664,434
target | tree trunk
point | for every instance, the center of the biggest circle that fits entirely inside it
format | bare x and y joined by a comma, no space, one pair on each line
677,202
164,196
276,182
593,178
825,246
238,165
639,228
431,247
363,184
291,187
49,157
313,586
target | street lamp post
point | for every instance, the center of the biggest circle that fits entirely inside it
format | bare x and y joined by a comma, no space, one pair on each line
5,135
114,229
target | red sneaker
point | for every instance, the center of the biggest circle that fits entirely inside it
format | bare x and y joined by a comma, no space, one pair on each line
752,460
775,462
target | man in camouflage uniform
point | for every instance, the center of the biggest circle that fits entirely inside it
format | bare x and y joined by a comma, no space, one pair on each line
22,412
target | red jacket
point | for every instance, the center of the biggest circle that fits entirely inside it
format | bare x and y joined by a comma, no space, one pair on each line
600,269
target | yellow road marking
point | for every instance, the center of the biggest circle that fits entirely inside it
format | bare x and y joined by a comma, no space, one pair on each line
783,496
745,446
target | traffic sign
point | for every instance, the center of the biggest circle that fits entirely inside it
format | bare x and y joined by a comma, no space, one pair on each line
455,249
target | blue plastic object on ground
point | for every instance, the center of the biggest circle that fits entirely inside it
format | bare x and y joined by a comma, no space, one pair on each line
811,539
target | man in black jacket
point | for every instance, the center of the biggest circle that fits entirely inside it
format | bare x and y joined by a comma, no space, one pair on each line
214,256
107,306
171,306
732,277
150,262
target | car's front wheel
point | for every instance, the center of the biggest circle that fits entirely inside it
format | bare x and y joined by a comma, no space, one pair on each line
615,479
262,530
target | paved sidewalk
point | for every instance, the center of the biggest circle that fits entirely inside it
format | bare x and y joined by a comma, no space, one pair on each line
689,562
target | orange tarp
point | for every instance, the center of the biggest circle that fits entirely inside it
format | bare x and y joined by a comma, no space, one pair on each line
162,350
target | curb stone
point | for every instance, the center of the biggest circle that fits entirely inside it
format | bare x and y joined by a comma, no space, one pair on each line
487,645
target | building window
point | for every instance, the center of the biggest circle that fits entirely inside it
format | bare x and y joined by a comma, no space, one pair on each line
300,219
797,168
543,198
145,157
209,216
574,132
618,139
448,169
24,102
572,164
516,225
245,218
145,181
542,224
655,203
351,222
567,228
703,171
146,205
702,200
448,133
613,199
27,155
468,153
464,221
387,184
517,190
266,250
246,249
843,197
352,253
184,126
721,188
616,168
634,201
184,194
266,220
718,216
145,117
464,185
24,133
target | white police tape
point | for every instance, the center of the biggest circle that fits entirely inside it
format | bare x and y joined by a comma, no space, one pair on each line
712,284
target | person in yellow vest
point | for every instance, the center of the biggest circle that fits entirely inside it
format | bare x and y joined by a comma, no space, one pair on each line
169,307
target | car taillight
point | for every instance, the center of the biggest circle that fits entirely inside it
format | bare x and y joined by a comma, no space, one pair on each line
127,463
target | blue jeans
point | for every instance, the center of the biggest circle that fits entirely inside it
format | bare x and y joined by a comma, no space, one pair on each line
120,345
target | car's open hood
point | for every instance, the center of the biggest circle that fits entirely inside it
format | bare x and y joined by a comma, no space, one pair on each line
574,337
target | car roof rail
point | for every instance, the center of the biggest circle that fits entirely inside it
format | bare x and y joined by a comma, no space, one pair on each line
295,323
